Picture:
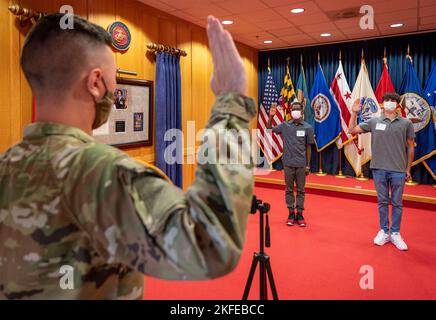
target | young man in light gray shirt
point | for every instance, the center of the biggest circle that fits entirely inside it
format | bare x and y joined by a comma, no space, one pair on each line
393,147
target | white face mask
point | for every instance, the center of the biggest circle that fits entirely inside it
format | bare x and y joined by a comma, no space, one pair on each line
390,105
296,114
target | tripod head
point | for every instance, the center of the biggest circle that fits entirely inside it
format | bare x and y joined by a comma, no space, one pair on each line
257,204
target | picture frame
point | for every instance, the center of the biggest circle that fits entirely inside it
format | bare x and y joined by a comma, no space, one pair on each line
130,123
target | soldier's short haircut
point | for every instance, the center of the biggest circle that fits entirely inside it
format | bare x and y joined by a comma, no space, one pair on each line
297,104
52,57
391,96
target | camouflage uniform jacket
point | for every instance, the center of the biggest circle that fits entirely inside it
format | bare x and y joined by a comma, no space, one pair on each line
82,220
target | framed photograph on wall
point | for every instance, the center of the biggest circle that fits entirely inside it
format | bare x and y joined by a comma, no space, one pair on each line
131,120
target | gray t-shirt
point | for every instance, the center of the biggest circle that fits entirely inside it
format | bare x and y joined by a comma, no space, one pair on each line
295,135
389,142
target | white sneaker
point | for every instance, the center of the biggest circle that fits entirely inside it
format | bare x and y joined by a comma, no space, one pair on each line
398,241
381,238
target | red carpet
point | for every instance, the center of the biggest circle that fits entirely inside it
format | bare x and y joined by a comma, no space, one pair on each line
323,260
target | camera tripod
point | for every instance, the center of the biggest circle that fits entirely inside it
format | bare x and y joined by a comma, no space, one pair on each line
261,257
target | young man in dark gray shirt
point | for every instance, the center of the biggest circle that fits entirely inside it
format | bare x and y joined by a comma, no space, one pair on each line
393,147
297,140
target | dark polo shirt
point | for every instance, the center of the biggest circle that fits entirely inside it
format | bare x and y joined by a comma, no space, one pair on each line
389,142
295,135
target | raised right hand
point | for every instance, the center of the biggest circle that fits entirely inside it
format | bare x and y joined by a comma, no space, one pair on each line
228,72
273,110
356,106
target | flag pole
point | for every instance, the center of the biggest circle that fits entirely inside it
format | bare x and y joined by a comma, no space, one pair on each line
410,182
340,174
320,172
361,176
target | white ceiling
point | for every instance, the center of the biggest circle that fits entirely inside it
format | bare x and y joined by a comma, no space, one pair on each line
258,20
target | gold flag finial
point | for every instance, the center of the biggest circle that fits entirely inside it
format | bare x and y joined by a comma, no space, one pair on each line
301,58
408,53
340,55
363,54
287,61
319,58
385,59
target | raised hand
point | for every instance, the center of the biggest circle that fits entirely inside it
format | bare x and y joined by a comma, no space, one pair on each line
273,110
356,106
229,72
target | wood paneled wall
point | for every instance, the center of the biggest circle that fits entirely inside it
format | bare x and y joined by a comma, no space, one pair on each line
146,25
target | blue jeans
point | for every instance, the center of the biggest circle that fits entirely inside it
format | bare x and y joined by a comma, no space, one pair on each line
385,180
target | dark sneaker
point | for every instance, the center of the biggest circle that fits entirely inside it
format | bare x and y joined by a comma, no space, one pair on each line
291,219
300,220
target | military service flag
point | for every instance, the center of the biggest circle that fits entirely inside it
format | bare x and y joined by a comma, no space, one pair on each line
419,112
358,152
430,95
303,97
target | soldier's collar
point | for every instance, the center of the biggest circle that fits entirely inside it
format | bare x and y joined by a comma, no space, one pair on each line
43,129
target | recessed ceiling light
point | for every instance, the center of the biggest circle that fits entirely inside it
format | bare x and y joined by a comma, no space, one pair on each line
325,34
297,10
227,22
396,25
267,41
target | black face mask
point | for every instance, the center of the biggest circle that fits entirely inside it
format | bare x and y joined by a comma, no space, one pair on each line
103,108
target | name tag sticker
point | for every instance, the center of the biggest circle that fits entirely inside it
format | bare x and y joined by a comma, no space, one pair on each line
301,133
380,126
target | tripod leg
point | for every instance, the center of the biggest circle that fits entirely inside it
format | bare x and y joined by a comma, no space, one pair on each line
250,276
263,288
271,280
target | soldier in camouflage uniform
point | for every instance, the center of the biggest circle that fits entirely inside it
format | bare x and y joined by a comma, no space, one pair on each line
67,201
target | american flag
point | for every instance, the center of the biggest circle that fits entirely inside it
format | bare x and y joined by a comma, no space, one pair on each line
270,143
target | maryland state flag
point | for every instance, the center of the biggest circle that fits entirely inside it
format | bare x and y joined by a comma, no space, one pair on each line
385,85
419,112
287,95
430,95
303,97
327,120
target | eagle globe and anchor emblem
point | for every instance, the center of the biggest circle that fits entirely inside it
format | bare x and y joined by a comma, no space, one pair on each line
120,36
417,110
321,107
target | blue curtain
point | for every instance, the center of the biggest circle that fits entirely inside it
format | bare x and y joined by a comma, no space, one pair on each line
422,50
169,138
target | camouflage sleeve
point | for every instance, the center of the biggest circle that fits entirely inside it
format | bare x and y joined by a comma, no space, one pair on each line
136,217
